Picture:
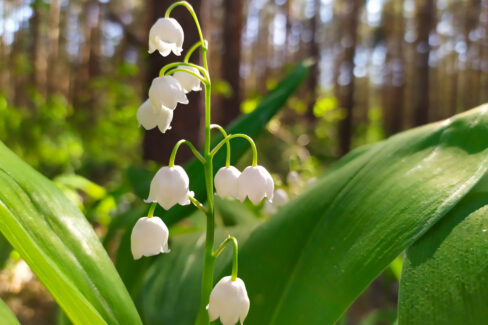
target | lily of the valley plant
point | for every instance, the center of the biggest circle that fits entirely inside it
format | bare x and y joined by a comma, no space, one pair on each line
228,300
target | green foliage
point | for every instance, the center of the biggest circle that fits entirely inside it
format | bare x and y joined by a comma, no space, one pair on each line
445,276
94,139
6,315
60,246
353,223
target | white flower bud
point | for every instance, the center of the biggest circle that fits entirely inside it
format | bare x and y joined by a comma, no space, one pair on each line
229,301
280,197
226,182
166,35
255,183
170,186
149,237
293,178
187,81
150,119
167,92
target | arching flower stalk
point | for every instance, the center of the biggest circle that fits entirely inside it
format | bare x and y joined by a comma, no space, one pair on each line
171,185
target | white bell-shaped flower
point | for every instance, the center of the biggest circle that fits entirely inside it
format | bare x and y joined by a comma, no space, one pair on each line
256,183
167,92
170,186
166,35
149,237
187,81
229,301
149,119
226,182
280,197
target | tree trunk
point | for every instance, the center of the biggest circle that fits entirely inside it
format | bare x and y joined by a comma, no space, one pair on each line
349,17
314,54
53,64
186,119
38,73
394,73
424,19
231,59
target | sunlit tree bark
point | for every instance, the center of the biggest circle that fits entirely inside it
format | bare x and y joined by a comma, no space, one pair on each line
348,17
231,59
394,72
424,20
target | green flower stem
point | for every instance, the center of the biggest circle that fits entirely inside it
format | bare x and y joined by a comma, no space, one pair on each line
197,204
169,66
234,256
191,50
192,12
222,130
209,259
202,79
197,154
238,135
150,214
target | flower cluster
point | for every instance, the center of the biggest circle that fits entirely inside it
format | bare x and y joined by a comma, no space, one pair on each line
171,185
167,91
254,182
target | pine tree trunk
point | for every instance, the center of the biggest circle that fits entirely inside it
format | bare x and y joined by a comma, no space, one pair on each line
349,18
314,54
231,59
186,120
424,21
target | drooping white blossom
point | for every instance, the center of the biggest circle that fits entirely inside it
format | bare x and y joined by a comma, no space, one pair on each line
187,81
255,183
149,237
293,178
167,92
280,198
170,186
166,35
229,301
226,182
149,119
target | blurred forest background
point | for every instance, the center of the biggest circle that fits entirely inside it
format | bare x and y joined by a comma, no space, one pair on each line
382,66
73,74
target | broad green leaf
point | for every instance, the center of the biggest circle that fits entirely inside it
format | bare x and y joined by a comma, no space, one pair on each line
5,250
60,246
6,315
312,259
78,182
251,124
445,275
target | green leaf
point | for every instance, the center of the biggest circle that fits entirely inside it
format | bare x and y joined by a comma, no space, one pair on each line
312,259
60,246
358,219
445,275
6,315
5,250
251,124
78,182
